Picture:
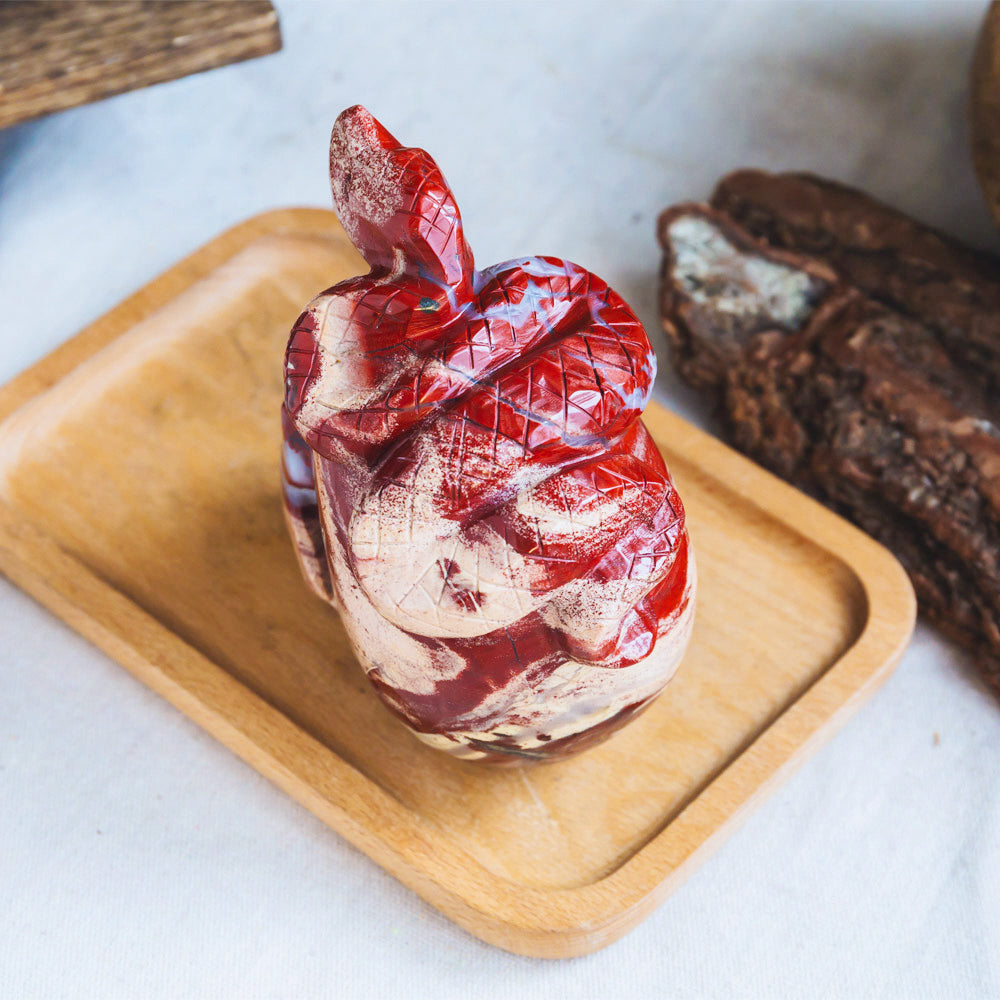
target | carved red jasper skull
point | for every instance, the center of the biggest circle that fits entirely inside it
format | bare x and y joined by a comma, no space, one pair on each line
467,478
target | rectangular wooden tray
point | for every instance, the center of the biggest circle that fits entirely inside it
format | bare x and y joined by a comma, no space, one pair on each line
139,500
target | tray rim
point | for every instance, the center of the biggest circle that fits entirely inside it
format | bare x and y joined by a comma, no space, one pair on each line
530,921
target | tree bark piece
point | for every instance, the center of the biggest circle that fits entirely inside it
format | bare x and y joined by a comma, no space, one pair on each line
892,258
58,55
849,350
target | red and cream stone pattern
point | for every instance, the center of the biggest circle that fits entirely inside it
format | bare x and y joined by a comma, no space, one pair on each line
467,478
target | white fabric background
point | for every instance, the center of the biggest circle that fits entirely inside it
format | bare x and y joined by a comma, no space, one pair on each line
138,858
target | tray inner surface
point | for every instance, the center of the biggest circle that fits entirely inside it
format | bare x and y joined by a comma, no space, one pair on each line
156,464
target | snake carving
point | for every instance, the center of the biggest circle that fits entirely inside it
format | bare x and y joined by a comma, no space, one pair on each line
467,479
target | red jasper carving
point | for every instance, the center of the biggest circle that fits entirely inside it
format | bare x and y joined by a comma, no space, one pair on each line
467,478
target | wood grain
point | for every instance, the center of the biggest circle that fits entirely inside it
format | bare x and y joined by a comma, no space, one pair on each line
56,55
139,500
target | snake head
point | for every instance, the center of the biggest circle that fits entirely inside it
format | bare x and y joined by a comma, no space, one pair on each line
395,203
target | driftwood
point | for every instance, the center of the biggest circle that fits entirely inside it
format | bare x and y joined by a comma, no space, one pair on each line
984,108
57,55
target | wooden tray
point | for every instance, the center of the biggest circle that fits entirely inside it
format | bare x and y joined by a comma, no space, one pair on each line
139,500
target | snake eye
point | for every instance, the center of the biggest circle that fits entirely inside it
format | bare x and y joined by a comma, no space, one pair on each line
428,305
